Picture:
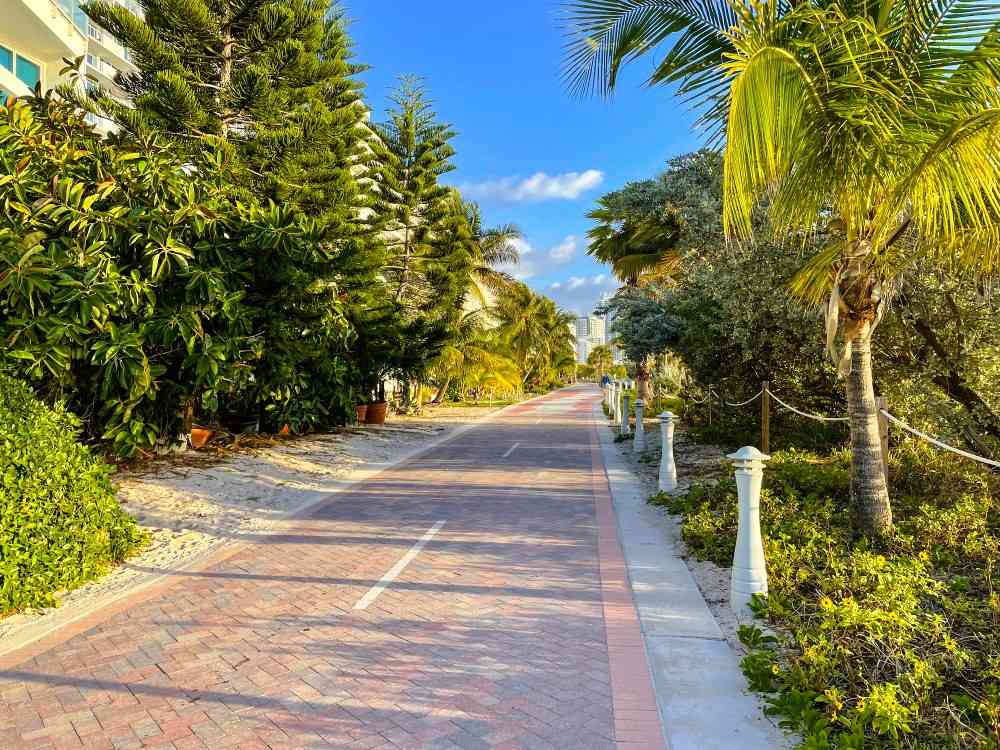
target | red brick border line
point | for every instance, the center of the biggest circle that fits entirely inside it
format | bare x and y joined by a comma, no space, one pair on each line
637,720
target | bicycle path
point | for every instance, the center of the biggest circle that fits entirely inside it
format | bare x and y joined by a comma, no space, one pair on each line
474,596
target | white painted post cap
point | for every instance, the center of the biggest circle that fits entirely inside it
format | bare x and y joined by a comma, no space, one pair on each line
748,454
667,416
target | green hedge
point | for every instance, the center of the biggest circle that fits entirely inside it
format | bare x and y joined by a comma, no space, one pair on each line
60,523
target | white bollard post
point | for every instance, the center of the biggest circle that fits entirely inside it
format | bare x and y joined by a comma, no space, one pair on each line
625,428
749,568
639,446
668,469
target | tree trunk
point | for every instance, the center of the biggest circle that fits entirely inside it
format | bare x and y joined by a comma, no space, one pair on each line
642,381
442,391
869,494
225,76
955,385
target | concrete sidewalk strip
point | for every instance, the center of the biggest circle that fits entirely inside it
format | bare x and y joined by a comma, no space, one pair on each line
700,691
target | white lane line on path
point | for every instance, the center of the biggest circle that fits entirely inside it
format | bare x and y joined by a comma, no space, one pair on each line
399,567
510,450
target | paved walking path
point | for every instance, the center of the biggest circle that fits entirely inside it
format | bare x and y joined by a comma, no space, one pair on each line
474,596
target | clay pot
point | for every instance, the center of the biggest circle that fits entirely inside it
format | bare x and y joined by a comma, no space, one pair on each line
362,412
200,437
376,412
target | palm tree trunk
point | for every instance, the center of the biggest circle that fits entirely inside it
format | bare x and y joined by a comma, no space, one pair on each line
869,494
442,391
642,381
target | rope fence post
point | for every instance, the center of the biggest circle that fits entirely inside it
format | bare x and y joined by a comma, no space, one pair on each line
626,427
749,575
765,417
883,435
639,446
668,468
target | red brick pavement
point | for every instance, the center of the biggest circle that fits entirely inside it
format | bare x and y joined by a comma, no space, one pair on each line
513,628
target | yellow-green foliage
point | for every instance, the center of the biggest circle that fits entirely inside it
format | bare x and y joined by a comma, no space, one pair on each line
60,524
886,647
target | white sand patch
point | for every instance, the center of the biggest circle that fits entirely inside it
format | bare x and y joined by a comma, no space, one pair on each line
193,503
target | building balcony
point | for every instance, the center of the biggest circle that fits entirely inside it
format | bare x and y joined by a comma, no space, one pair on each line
103,72
35,37
45,29
102,44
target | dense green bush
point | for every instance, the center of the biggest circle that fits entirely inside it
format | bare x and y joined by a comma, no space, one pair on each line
60,524
895,646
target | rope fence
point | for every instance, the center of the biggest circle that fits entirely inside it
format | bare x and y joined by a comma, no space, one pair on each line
749,401
885,418
939,443
817,417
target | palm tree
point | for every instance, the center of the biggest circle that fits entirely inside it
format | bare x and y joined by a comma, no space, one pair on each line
601,359
636,246
873,124
497,246
640,248
473,352
536,332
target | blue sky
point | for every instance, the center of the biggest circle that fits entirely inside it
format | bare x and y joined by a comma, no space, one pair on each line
530,152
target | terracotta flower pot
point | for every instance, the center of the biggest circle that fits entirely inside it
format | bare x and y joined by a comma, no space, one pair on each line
362,412
200,437
376,412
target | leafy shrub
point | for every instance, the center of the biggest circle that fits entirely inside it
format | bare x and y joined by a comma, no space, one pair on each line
60,524
882,647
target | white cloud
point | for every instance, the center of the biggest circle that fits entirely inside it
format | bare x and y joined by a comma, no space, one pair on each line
539,187
579,294
526,268
523,247
564,251
598,280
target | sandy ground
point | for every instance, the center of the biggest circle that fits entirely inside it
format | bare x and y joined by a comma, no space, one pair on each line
695,463
191,503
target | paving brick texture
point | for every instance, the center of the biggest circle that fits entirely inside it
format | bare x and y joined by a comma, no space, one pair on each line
513,627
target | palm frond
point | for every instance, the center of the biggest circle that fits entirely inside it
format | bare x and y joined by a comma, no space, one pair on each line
608,34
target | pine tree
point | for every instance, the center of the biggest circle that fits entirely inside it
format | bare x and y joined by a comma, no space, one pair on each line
209,68
413,152
276,84
429,243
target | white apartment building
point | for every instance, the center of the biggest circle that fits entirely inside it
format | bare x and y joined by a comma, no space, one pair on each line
597,332
590,333
36,36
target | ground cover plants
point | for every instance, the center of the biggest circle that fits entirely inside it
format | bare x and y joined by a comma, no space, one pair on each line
888,644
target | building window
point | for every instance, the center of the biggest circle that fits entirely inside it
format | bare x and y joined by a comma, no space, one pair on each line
6,59
29,73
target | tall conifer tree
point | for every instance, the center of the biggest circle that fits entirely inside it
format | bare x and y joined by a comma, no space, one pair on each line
429,244
274,84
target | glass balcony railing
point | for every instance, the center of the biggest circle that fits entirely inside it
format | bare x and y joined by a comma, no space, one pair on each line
72,9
